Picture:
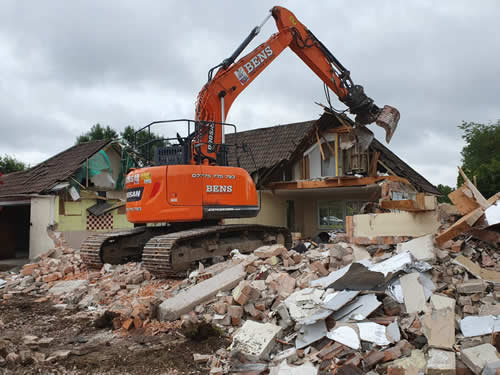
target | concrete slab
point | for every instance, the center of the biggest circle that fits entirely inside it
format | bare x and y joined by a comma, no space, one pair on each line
173,308
255,340
478,357
439,302
63,287
441,362
285,369
413,292
412,224
439,328
422,248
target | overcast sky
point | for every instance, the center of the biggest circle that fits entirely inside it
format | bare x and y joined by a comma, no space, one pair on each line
66,65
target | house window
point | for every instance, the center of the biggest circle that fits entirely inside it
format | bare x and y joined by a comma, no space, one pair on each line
331,214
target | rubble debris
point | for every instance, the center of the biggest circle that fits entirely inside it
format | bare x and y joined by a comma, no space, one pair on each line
285,369
476,270
413,292
173,308
422,248
346,335
478,357
310,333
471,287
439,302
255,340
337,306
441,362
374,333
459,227
415,362
492,215
359,309
439,328
480,325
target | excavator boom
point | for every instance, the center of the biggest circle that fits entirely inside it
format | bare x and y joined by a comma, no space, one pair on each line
218,94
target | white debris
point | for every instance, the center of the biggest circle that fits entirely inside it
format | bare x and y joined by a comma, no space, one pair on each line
422,248
255,340
346,336
311,333
359,309
373,332
480,325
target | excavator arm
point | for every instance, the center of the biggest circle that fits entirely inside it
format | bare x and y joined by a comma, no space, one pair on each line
218,94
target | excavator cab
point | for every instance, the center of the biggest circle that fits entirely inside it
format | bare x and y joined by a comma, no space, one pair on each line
184,150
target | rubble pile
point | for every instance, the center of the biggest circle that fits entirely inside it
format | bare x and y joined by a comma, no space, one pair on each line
428,305
127,291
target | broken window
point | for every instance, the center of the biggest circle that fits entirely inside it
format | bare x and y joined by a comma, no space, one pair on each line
331,214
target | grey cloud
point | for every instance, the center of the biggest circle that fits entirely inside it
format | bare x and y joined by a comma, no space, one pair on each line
67,65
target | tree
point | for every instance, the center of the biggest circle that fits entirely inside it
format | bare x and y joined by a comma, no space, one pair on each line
96,133
142,140
445,190
481,155
10,164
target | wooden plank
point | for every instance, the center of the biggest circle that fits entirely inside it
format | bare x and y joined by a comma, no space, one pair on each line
320,146
461,226
476,193
494,198
328,145
372,171
463,200
405,205
386,167
333,182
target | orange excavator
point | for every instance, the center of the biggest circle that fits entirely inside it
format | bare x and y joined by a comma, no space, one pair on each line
189,186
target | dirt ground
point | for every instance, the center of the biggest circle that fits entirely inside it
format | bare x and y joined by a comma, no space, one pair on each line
93,350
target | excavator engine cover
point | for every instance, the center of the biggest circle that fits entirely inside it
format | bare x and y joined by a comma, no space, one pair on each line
388,119
189,193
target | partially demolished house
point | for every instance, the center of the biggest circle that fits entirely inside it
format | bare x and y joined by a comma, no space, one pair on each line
75,192
313,175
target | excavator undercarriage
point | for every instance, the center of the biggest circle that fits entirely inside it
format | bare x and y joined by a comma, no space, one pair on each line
170,251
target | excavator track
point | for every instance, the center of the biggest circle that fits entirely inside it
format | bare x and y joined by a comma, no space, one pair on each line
171,255
93,248
170,251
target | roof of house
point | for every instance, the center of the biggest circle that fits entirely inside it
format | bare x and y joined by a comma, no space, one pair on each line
268,146
402,169
47,174
279,144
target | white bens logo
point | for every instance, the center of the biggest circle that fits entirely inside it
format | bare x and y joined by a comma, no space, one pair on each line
258,59
219,188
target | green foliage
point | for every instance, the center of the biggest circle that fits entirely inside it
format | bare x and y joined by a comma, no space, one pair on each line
142,140
10,164
99,132
481,156
96,133
445,190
